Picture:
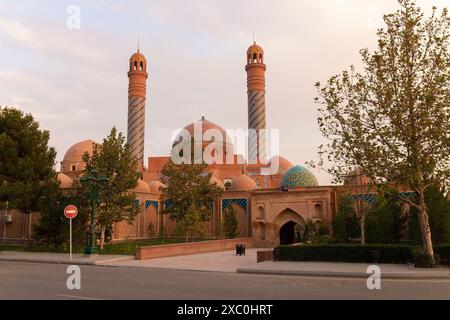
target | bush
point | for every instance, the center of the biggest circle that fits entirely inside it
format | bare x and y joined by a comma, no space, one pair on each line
421,260
443,254
346,253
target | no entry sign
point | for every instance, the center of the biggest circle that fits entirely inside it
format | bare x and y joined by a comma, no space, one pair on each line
70,211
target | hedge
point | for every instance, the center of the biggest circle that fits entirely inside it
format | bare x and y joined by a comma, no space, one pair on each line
385,253
346,253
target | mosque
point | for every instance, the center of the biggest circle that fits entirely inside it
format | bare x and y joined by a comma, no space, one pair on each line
269,207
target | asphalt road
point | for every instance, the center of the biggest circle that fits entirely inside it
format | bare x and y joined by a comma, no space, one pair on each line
48,281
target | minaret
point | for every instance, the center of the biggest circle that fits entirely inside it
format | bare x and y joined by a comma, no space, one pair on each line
256,90
137,92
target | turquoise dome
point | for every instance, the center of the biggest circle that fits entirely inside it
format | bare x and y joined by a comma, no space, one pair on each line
299,177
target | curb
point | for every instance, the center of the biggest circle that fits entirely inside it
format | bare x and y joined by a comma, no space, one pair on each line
336,274
65,262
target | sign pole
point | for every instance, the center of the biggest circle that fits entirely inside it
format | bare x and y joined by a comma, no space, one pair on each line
70,212
70,245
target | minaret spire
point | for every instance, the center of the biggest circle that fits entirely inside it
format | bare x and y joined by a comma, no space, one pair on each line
256,91
137,95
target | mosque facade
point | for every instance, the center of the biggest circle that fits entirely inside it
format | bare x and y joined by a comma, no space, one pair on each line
269,207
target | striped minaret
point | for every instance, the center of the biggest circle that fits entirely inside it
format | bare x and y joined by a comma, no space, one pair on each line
137,92
256,86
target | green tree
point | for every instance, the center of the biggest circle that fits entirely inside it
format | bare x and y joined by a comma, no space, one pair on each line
26,161
385,220
230,223
345,223
393,119
308,231
113,159
191,195
52,230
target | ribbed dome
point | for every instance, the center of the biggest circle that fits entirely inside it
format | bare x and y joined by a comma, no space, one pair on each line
255,48
76,152
299,177
243,183
65,182
138,56
156,185
142,187
217,182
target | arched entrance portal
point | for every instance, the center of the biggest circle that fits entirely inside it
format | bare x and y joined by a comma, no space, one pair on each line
290,223
287,233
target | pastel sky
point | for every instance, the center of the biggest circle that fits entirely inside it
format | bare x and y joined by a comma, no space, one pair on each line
75,82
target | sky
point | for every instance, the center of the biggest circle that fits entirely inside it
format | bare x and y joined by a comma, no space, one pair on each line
74,80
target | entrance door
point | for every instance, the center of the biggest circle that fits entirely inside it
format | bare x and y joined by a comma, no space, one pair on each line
288,234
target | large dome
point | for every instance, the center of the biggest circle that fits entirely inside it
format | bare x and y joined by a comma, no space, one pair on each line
299,177
210,131
76,152
283,164
73,159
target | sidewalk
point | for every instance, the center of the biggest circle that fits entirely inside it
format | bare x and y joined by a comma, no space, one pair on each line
61,258
224,261
345,270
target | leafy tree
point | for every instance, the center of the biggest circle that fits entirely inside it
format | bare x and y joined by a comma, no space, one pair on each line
230,223
385,221
393,119
53,227
26,160
345,224
113,160
191,194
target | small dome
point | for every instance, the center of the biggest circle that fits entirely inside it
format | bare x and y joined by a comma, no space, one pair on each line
156,185
243,183
65,182
283,164
138,56
142,187
216,181
299,177
356,177
255,48
76,152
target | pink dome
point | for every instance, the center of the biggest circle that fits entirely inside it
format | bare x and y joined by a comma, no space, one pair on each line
283,164
76,152
142,187
156,185
243,183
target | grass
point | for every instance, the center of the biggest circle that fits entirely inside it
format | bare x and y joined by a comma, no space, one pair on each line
126,248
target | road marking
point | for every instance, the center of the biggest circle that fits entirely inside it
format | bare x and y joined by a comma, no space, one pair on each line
77,297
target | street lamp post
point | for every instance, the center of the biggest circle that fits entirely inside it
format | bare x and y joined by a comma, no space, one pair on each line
92,181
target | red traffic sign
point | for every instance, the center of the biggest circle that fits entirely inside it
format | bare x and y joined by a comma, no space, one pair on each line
70,211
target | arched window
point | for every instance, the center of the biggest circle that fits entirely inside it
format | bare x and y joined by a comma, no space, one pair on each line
261,213
318,210
255,58
260,58
142,66
135,66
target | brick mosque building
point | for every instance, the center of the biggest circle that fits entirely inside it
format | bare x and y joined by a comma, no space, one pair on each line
268,206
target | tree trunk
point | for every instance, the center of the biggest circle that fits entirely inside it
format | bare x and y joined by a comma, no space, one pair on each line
363,228
425,226
102,238
187,236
